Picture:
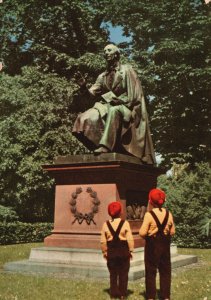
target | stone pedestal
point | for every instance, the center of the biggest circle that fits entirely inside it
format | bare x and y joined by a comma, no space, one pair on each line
86,184
81,181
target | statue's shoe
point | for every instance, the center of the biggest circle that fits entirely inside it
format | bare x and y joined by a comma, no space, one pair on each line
101,150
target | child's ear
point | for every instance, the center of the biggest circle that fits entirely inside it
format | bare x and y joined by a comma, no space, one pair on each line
149,206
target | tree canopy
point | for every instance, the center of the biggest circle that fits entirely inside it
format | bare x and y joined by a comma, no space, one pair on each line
34,129
52,34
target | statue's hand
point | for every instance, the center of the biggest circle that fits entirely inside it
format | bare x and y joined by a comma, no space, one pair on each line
80,80
116,101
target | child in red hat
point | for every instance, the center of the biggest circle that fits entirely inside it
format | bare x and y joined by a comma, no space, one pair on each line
117,244
157,229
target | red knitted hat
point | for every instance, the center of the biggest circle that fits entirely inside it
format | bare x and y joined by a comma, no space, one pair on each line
157,197
114,209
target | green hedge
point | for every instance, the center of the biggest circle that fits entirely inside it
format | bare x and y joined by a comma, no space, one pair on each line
8,214
18,232
189,200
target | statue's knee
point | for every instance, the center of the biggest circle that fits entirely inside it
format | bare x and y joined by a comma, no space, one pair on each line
93,114
113,110
114,113
90,115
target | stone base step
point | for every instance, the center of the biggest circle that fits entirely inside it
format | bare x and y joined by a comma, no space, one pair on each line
84,262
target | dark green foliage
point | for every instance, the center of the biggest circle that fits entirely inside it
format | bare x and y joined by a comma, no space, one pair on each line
51,34
7,214
206,223
35,127
17,232
189,200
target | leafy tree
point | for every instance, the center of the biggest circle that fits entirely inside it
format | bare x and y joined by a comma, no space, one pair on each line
171,45
52,34
189,199
35,127
7,214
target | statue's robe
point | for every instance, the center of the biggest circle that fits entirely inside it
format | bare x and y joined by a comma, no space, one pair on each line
134,138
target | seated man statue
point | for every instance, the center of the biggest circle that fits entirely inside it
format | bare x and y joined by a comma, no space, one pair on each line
118,122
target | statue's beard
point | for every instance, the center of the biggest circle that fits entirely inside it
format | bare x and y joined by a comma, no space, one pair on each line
113,62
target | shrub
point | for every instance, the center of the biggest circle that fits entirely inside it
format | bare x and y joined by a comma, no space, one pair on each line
17,232
189,198
8,214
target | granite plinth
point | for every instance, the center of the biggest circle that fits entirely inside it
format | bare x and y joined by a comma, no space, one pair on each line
113,177
84,263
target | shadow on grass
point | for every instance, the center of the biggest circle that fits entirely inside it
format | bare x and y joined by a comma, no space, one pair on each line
129,292
158,297
107,291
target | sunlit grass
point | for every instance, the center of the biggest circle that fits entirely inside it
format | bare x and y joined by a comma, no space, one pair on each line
16,252
190,283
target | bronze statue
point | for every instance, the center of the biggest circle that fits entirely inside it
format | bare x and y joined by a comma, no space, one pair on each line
118,122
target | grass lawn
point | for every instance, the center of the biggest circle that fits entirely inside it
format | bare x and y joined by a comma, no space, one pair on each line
188,283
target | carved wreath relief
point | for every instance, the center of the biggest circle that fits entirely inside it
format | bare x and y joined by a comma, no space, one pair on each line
88,217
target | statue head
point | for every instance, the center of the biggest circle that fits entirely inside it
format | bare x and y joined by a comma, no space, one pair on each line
111,53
